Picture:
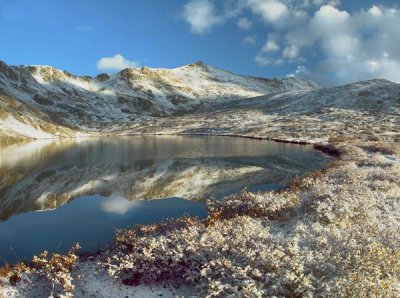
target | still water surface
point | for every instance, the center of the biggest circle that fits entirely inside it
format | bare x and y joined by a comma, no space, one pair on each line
54,193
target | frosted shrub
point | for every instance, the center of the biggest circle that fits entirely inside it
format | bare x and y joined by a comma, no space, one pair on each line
332,233
57,269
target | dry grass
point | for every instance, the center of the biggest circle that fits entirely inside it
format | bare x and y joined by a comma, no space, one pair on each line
55,270
6,270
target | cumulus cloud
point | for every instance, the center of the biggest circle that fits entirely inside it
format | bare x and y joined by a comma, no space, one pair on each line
244,23
375,11
201,16
347,47
334,45
264,58
115,63
290,52
270,10
271,46
338,71
329,19
358,46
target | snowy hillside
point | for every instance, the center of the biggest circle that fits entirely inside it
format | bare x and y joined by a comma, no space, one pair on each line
44,102
306,115
368,96
106,102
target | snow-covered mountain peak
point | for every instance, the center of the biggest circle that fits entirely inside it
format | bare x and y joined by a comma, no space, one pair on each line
85,103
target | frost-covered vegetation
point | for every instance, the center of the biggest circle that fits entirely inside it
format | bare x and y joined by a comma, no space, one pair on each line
334,233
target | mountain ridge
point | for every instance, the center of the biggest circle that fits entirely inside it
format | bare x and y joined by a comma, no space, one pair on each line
91,104
45,102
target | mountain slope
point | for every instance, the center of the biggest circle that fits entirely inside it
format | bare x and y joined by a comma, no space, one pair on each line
375,96
364,108
44,102
109,102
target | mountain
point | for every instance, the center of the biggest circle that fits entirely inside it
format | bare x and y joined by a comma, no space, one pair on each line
43,102
375,96
368,108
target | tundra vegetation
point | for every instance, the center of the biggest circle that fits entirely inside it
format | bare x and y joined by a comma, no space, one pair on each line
333,233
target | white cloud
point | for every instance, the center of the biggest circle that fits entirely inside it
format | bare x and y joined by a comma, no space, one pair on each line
290,52
339,71
265,55
329,20
118,205
333,29
115,63
271,45
335,45
358,46
344,47
244,23
270,10
200,14
301,71
375,11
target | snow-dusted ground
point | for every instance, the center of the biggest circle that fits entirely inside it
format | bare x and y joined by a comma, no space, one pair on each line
92,281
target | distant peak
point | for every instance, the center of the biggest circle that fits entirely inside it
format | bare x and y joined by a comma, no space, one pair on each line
198,64
371,82
379,81
145,70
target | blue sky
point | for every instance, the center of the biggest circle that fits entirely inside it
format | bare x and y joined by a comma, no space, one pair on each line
327,40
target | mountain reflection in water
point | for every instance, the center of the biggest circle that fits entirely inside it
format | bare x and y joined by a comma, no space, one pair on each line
43,175
102,181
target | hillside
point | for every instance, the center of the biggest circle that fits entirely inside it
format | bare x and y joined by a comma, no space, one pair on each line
42,102
369,108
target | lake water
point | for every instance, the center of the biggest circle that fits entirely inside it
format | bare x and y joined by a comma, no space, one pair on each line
54,193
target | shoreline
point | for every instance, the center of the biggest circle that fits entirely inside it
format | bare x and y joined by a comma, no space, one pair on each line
339,150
